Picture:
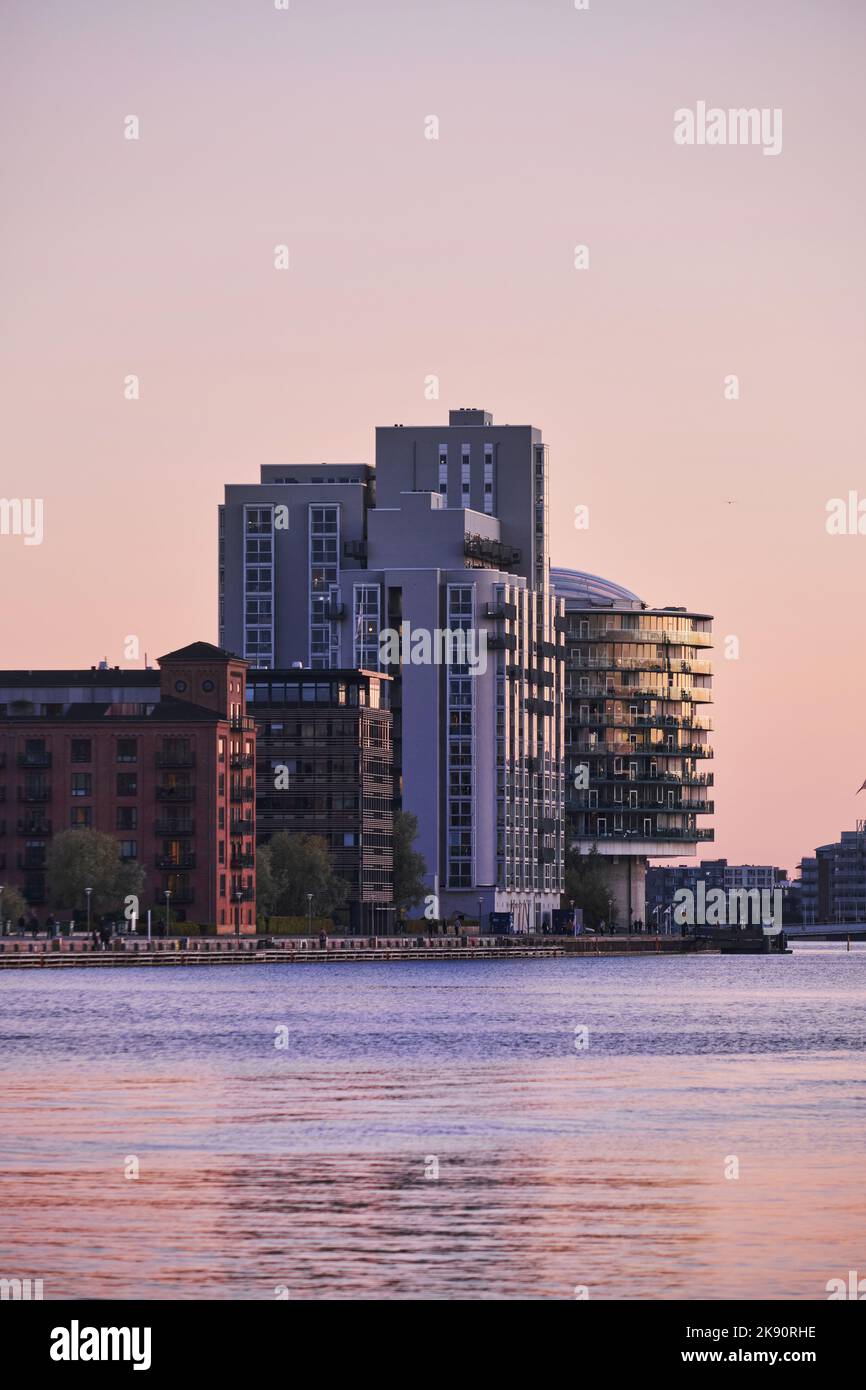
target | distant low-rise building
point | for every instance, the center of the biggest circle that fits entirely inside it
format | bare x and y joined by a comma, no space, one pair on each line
834,880
663,882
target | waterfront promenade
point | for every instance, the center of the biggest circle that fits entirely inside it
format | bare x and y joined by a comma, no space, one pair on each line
76,953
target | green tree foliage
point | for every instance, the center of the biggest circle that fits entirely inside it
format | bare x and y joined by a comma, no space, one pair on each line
409,866
79,859
586,885
13,906
294,866
266,892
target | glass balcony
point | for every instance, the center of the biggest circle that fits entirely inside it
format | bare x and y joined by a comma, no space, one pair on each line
181,758
34,759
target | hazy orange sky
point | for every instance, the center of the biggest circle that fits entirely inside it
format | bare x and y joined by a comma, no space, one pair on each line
454,257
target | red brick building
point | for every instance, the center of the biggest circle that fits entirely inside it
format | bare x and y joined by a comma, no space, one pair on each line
163,761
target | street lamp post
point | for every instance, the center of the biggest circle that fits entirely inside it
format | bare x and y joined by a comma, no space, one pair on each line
238,896
480,911
87,893
167,911
2,923
309,914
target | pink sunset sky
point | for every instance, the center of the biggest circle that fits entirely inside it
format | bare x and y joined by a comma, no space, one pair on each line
453,257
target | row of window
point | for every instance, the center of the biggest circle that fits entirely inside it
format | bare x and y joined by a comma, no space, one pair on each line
460,751
324,571
323,693
126,784
466,475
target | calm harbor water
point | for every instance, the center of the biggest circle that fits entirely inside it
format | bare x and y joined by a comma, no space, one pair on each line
304,1167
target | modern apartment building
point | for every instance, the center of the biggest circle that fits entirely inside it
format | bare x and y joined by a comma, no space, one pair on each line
834,880
325,766
636,731
163,761
448,535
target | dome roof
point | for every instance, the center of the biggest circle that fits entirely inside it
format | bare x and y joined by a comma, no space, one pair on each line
590,591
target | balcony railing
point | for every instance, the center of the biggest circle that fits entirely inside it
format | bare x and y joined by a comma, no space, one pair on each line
492,553
240,826
241,722
659,635
34,759
242,861
643,808
34,827
34,862
176,759
673,722
634,663
34,794
175,793
168,862
241,760
626,694
643,750
175,827
685,835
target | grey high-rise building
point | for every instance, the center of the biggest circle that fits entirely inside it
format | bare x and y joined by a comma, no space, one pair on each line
447,535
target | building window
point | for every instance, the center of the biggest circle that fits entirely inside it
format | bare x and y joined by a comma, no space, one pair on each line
259,585
464,475
367,620
82,784
129,849
127,818
488,479
81,750
127,784
81,817
127,750
443,472
324,582
460,750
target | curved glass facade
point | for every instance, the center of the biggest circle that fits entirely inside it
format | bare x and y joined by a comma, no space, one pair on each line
637,731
